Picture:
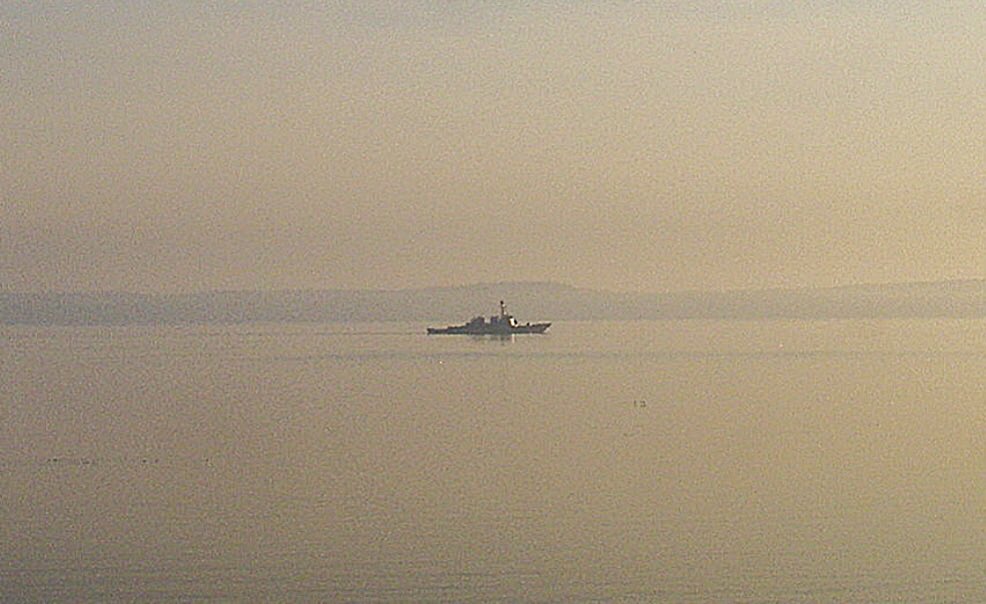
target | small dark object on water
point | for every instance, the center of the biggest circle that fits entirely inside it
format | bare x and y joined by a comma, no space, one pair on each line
504,324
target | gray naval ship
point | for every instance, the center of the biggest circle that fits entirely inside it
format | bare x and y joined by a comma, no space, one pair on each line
501,325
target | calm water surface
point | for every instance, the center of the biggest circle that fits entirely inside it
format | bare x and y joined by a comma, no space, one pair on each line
692,461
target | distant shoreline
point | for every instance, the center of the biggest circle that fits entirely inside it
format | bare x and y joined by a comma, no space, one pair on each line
538,301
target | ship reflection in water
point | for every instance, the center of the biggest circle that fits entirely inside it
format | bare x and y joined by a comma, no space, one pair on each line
492,337
503,326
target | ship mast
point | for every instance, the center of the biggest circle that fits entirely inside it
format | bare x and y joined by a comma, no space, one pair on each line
503,309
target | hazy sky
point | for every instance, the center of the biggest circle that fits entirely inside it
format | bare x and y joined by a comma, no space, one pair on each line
180,146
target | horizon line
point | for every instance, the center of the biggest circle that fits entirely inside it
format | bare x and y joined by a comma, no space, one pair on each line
481,284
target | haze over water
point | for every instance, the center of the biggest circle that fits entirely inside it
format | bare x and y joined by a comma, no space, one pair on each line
241,161
698,461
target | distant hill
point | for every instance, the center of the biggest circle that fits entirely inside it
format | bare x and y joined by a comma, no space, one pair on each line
529,301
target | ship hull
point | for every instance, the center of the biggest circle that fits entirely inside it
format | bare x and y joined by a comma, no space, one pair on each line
487,330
